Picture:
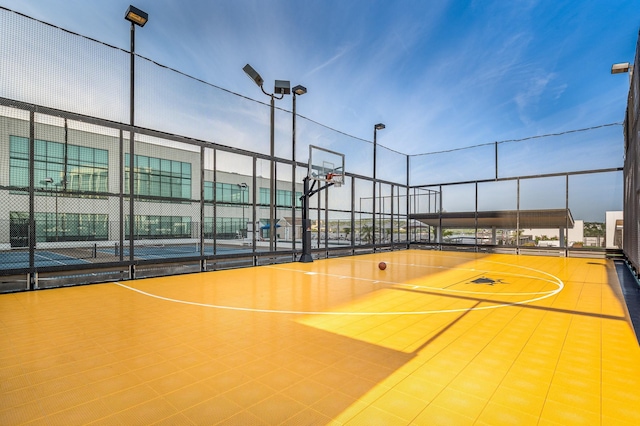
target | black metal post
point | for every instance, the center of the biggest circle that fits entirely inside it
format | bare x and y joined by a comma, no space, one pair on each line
272,177
203,264
408,205
293,173
32,204
306,225
56,222
136,17
373,222
121,197
131,151
376,127
496,155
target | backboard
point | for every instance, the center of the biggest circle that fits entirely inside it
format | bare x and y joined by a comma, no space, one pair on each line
326,165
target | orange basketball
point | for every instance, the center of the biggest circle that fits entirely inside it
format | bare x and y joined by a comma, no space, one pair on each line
382,266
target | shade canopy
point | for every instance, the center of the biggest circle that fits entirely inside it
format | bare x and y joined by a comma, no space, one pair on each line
502,219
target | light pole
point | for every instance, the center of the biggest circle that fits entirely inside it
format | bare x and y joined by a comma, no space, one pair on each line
376,127
281,87
297,90
136,17
243,187
47,181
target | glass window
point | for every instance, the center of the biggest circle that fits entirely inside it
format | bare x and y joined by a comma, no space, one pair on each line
225,227
142,163
265,196
154,226
154,163
227,192
159,177
101,157
283,197
85,169
208,191
67,227
165,166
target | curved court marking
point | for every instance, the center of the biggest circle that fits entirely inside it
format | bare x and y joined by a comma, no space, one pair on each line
449,290
554,280
557,282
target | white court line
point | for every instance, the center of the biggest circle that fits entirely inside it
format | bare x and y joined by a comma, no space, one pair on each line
545,295
556,280
61,262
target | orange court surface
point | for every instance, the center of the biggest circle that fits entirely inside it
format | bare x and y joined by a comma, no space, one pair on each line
437,338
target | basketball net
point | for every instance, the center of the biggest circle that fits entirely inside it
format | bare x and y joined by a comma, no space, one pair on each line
336,178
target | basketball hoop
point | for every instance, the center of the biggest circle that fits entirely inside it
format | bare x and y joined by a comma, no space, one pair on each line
326,169
336,178
325,166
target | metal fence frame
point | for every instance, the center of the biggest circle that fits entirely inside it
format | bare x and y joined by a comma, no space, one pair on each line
128,267
631,242
435,191
386,232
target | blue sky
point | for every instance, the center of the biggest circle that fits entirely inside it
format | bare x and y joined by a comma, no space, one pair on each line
440,74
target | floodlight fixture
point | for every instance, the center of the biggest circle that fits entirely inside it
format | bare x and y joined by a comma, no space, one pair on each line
253,75
299,90
243,188
139,18
46,181
621,68
379,126
282,87
136,16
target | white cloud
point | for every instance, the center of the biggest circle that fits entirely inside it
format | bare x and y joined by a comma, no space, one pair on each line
438,74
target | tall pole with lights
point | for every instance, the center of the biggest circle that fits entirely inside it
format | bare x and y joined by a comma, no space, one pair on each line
376,127
281,87
243,187
297,90
136,17
47,181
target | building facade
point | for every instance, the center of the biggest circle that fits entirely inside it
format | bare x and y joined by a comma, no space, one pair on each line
81,187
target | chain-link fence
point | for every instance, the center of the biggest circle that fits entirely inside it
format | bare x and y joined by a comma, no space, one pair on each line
631,224
67,184
571,213
196,188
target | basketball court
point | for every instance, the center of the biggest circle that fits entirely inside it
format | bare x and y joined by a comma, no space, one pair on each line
352,312
435,338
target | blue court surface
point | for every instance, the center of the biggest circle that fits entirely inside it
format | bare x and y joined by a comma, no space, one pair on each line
19,259
174,251
43,258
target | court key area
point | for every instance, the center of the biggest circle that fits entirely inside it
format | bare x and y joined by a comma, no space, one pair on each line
436,338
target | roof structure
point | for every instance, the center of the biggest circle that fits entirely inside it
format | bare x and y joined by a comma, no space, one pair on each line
502,219
288,221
